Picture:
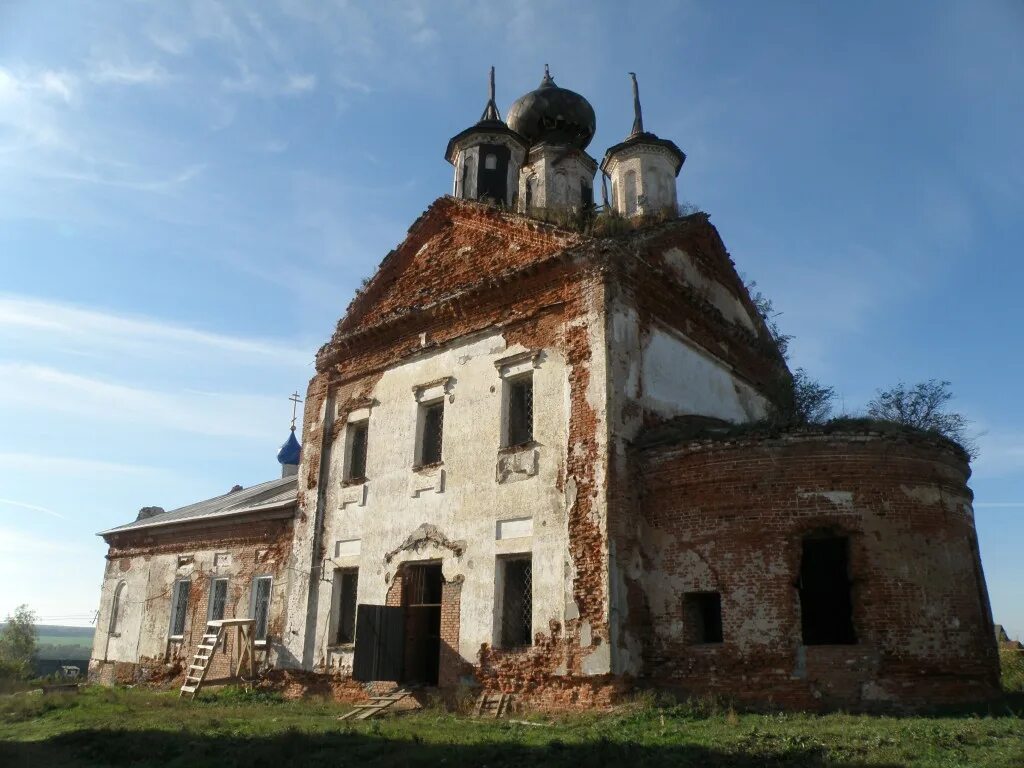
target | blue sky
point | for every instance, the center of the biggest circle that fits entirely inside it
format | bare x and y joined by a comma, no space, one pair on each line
190,193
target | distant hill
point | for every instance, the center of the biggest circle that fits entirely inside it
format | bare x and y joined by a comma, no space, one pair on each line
57,643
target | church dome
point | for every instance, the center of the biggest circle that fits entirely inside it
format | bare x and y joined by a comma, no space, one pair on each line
291,451
554,115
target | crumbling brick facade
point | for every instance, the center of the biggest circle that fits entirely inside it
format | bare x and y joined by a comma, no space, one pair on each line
728,516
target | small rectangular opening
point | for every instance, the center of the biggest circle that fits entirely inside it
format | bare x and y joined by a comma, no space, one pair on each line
520,410
826,605
432,433
347,583
516,584
702,617
357,433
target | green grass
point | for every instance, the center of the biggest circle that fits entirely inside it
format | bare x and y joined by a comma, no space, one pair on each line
105,727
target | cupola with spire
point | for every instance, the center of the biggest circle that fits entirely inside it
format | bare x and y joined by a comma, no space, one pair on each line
558,124
290,453
643,168
487,157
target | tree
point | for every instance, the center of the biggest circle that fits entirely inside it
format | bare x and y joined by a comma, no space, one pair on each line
18,641
801,400
922,406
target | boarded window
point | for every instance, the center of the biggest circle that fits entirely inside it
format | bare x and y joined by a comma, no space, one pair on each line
261,605
432,435
826,606
179,607
516,602
117,608
702,617
520,410
346,584
357,438
218,599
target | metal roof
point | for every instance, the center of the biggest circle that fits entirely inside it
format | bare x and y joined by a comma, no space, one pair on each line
274,494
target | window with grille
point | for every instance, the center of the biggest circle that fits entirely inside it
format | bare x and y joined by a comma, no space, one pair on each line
261,606
702,617
218,599
516,602
520,410
179,607
346,585
358,432
432,435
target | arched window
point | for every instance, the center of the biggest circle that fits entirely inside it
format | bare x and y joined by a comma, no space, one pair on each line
630,200
490,161
117,607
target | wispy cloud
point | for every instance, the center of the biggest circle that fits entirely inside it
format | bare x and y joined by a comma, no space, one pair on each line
44,464
222,414
39,321
31,507
127,74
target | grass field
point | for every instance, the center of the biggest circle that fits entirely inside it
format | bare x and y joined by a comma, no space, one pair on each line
104,727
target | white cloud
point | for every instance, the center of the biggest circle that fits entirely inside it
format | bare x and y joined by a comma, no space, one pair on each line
31,507
221,414
127,74
52,466
41,323
301,83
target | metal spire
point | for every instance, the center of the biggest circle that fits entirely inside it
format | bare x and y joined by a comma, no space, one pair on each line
638,117
491,110
295,404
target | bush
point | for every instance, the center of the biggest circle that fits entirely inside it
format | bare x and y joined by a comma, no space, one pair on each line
922,406
1011,663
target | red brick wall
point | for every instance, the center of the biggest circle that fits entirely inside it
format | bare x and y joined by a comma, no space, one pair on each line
730,517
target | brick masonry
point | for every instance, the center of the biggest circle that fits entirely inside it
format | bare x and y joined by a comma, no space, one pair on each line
729,516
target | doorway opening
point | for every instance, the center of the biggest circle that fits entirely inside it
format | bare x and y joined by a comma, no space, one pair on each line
421,601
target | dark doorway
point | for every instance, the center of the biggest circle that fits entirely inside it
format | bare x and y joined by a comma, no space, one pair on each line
492,173
421,599
826,607
379,643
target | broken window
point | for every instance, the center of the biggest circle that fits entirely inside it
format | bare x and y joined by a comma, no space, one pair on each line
520,410
826,606
179,607
346,584
261,606
218,599
116,608
431,436
702,617
357,439
516,601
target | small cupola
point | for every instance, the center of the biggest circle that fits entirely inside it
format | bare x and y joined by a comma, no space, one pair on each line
290,455
643,169
487,157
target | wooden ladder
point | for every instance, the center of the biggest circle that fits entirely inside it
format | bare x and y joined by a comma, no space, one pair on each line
493,704
375,705
200,665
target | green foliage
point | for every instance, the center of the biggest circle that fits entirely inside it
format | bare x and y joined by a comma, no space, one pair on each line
18,643
1011,662
922,406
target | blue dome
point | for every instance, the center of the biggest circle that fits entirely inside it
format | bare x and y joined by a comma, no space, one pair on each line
290,451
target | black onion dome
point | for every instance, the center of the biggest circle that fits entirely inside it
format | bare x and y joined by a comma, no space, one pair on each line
554,115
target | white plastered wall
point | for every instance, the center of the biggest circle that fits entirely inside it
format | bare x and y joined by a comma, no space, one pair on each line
143,627
462,499
557,175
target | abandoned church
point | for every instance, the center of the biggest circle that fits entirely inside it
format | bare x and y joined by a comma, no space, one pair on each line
534,461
